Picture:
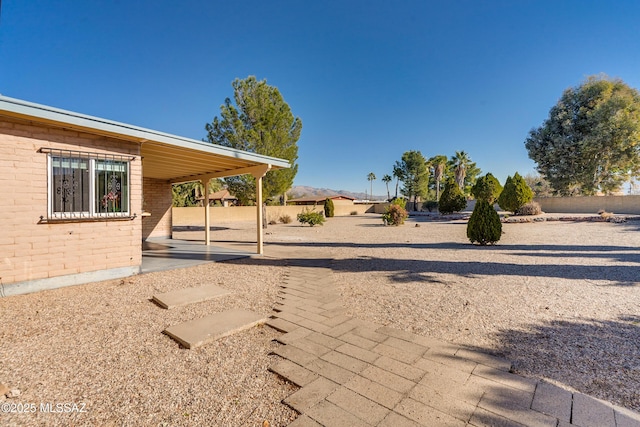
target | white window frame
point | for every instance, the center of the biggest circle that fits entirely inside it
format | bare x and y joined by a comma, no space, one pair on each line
93,213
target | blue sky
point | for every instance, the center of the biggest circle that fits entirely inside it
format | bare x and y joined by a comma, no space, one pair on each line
369,79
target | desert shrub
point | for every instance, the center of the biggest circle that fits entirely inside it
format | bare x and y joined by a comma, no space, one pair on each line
430,205
516,194
487,188
328,208
452,200
484,226
605,215
285,219
394,215
399,201
531,208
310,217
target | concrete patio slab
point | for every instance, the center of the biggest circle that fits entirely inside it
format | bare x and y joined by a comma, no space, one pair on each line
201,331
163,254
181,297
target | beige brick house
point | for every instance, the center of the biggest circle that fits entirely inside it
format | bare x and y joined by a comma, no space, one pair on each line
80,194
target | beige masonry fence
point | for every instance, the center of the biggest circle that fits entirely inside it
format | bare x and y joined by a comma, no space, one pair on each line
194,216
591,205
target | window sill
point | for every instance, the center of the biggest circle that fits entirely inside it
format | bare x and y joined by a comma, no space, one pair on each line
44,220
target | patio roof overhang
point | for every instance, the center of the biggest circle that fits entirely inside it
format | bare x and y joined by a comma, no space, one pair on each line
164,156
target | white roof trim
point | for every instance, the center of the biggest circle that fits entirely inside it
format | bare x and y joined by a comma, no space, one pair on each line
29,109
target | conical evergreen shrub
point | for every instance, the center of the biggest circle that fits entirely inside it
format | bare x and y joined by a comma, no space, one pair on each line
484,226
487,188
328,208
452,200
516,193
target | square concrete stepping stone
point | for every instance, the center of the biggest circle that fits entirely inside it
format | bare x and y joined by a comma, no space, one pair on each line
189,296
201,331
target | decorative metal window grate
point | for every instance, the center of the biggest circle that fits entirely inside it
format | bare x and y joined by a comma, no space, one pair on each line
87,185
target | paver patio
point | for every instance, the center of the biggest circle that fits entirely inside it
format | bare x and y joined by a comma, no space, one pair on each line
356,373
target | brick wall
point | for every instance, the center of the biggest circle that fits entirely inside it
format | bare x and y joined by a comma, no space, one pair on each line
31,249
157,203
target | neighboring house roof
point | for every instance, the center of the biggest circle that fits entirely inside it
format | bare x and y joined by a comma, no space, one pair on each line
220,195
164,156
319,199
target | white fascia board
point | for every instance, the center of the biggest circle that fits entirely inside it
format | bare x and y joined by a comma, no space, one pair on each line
38,111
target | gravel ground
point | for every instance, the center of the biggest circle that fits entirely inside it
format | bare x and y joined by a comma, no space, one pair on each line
559,299
100,346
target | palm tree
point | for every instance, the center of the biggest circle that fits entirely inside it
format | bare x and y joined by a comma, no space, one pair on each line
371,177
438,163
397,173
460,161
387,179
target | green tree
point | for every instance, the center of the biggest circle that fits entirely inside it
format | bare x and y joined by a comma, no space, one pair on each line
590,142
438,165
387,179
397,174
414,175
487,188
259,122
539,185
516,193
461,159
463,171
329,208
484,225
192,193
371,177
452,199
395,214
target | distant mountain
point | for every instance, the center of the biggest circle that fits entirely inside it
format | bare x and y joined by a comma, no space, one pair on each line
298,191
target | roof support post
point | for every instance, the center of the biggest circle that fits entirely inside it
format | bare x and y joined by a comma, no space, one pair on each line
258,175
207,217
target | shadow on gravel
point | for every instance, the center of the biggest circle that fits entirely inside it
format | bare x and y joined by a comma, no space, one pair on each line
604,354
457,245
197,228
405,270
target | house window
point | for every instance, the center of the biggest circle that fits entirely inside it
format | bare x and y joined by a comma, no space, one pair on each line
85,185
112,186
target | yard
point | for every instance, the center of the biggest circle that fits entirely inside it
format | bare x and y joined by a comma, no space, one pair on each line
559,299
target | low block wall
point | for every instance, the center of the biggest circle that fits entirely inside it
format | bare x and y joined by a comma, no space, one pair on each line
194,216
590,204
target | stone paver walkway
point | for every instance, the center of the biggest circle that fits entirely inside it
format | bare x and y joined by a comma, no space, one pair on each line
356,373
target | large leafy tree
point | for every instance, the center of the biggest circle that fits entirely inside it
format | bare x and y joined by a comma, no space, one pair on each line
259,121
539,185
414,174
590,142
192,193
